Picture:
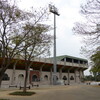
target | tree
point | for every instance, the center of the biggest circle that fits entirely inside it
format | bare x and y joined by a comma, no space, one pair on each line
95,58
89,78
92,78
16,28
10,17
91,28
38,42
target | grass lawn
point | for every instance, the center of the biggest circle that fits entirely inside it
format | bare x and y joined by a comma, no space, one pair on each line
20,93
4,99
97,85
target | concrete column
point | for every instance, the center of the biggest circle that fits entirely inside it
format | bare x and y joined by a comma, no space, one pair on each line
51,77
75,76
80,75
41,68
68,77
83,73
40,74
28,79
13,75
72,62
79,62
60,73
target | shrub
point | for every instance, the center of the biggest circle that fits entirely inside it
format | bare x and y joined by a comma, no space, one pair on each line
22,93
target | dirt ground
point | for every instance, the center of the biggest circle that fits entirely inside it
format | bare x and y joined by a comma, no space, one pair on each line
72,92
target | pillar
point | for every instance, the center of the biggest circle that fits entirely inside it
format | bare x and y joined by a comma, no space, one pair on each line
41,68
13,75
40,74
79,75
75,76
28,79
83,73
51,77
68,77
60,73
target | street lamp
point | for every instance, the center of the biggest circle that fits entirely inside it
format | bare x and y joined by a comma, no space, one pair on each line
54,10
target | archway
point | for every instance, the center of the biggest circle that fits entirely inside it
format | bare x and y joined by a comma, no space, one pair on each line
34,78
64,78
21,77
71,78
6,77
46,77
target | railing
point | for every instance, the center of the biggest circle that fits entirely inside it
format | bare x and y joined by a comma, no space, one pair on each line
50,61
44,60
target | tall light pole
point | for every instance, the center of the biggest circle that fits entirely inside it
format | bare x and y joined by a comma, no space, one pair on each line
54,10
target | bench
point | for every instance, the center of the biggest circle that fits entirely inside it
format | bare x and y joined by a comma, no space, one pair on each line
23,87
12,86
88,83
35,85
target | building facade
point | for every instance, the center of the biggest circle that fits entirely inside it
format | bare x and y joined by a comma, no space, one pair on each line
69,69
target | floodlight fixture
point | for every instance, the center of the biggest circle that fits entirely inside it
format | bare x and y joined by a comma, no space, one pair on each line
53,9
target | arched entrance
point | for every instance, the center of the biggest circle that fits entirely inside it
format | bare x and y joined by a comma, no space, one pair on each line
34,78
64,78
6,77
46,77
21,77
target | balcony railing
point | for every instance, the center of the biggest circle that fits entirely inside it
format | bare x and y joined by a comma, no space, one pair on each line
50,61
44,60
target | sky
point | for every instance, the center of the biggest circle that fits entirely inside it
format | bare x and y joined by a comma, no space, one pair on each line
67,42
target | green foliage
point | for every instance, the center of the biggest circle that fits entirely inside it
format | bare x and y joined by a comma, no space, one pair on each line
97,77
89,78
92,78
4,99
16,39
96,62
95,69
96,57
37,40
23,93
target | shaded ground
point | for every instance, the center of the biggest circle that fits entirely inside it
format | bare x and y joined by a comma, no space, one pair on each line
74,92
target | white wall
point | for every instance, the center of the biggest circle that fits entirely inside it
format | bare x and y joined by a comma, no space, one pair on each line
72,81
17,81
77,77
20,82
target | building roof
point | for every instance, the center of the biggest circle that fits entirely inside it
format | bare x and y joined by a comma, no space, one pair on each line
59,58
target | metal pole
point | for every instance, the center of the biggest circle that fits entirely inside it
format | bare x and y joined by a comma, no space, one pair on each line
55,67
54,10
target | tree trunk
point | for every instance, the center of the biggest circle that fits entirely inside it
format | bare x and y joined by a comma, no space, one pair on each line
25,81
1,76
0,81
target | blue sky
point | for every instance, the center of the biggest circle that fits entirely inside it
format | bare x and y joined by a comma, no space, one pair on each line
67,42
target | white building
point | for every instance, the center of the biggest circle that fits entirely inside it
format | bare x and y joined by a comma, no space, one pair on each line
70,69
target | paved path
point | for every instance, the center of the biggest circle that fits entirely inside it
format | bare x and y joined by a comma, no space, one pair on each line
75,92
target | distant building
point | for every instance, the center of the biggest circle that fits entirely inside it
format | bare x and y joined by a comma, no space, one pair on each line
70,69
